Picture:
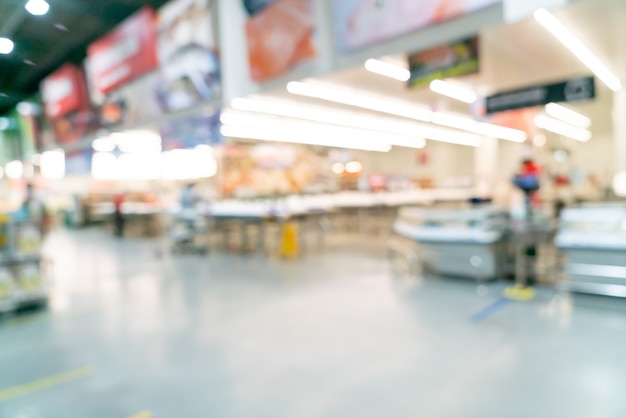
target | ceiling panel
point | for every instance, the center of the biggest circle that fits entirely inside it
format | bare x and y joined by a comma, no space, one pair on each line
43,43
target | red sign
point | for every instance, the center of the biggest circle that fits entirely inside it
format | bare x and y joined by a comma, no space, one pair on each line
126,53
64,91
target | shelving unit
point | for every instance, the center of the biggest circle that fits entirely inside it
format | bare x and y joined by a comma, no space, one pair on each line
22,266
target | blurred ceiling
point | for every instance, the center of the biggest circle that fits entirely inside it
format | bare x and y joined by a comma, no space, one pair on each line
43,43
515,56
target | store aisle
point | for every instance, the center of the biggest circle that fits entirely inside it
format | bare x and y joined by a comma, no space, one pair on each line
329,336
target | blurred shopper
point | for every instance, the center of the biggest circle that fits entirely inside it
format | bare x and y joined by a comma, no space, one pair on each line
33,210
118,215
189,198
528,180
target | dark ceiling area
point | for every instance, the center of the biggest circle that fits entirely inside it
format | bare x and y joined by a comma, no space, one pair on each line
44,43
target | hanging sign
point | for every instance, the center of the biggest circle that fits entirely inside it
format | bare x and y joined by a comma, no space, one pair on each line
451,60
573,90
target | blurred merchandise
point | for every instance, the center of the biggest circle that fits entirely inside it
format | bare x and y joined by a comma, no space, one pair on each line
22,274
248,170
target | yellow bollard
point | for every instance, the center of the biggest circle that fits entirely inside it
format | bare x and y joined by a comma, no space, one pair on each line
289,240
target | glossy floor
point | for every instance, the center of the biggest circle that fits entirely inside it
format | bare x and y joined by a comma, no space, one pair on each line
331,335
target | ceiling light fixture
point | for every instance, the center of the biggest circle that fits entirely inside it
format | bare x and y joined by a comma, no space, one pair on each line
561,128
367,136
388,70
453,91
568,115
6,46
299,110
37,7
367,101
584,54
356,98
246,125
386,125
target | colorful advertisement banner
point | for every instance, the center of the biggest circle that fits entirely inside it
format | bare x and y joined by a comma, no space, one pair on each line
279,35
126,53
452,60
362,23
189,65
64,91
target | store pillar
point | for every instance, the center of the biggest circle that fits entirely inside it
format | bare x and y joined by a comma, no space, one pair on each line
485,167
619,130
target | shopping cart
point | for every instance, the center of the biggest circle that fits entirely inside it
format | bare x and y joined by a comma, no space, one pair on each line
189,233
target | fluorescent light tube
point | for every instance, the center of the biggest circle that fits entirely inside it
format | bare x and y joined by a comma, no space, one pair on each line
358,99
568,115
389,126
561,128
453,91
388,70
576,47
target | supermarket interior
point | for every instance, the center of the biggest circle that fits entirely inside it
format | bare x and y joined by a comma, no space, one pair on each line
312,208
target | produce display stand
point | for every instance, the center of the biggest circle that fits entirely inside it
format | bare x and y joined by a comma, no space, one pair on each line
22,266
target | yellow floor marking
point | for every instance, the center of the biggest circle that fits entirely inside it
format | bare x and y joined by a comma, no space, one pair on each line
45,383
144,414
519,293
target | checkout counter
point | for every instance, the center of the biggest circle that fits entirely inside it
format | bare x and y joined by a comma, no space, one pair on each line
458,242
593,240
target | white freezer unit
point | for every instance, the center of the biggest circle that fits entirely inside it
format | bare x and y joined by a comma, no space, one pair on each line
593,240
458,242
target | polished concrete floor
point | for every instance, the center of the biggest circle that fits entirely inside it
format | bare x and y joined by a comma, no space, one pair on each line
332,335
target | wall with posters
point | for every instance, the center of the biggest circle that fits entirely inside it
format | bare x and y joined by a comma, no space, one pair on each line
153,63
279,36
66,104
361,23
124,54
267,43
189,71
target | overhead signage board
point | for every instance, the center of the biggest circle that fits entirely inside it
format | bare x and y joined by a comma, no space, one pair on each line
359,24
126,53
574,90
64,91
189,67
451,60
279,34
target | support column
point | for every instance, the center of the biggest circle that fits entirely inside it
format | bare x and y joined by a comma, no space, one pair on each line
486,167
619,130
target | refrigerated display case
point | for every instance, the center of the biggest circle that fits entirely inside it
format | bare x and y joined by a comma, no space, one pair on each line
593,241
457,242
